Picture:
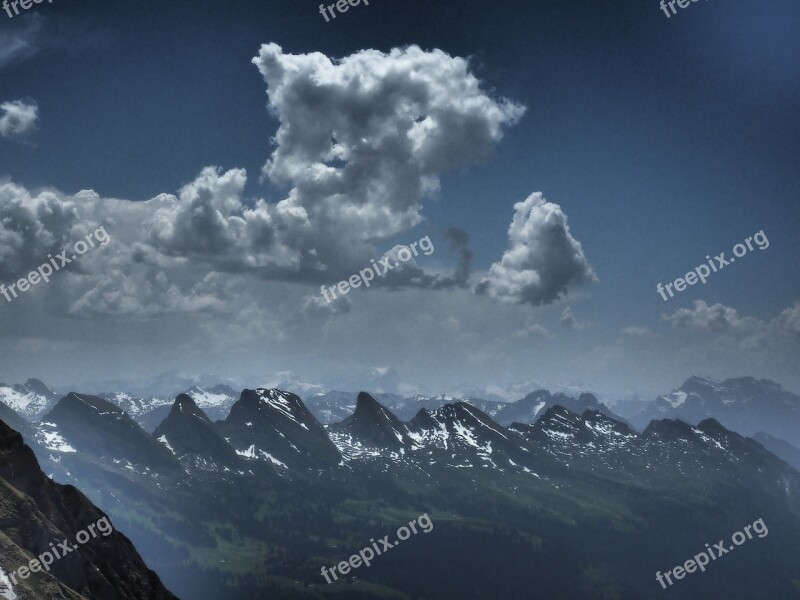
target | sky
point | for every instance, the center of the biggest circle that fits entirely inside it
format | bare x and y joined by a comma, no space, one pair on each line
562,159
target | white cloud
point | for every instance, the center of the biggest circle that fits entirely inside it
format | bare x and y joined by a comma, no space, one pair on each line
543,259
363,139
717,317
18,118
361,143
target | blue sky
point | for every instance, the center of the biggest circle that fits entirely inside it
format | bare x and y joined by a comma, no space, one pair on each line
661,140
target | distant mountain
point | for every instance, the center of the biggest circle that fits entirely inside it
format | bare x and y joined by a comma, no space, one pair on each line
98,428
37,513
216,402
746,405
334,407
31,399
780,448
535,404
276,426
189,434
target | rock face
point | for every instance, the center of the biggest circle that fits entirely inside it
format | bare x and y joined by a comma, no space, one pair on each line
193,438
277,426
99,428
35,512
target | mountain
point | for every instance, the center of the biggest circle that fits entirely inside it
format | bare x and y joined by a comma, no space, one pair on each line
276,426
409,407
371,426
580,503
535,404
780,448
147,412
215,401
36,513
334,407
461,435
746,405
98,428
191,436
31,399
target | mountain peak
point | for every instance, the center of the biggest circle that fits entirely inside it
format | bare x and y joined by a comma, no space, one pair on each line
276,425
184,404
191,436
374,426
37,386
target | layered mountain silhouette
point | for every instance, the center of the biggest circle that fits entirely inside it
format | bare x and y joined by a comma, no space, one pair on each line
746,405
590,502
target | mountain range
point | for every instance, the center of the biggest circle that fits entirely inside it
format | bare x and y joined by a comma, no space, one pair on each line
245,497
570,497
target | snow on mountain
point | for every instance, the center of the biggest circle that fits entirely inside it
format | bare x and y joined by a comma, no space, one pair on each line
31,399
746,405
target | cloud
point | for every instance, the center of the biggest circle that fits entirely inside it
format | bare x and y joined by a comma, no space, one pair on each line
19,42
18,118
543,259
459,245
533,331
569,321
315,304
361,143
789,320
363,140
717,318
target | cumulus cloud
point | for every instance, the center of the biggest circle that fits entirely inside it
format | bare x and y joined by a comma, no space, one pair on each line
18,118
31,227
717,317
362,140
789,320
361,143
543,259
